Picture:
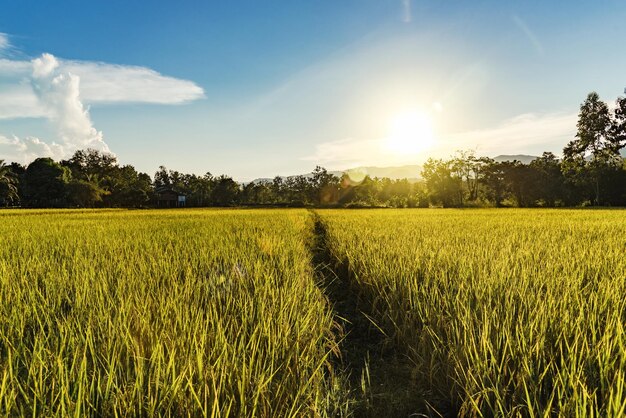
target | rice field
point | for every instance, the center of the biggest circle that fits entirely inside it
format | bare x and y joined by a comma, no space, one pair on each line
237,312
500,312
143,313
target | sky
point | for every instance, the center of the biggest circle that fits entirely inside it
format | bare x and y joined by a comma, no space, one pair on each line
257,89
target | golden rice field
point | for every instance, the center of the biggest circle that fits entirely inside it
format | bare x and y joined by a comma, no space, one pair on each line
256,313
178,313
501,312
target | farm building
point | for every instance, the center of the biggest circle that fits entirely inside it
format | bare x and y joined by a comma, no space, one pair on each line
169,198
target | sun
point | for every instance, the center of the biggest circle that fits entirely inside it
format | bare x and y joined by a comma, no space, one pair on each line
410,133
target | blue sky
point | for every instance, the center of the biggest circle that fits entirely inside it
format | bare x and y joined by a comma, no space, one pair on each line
256,89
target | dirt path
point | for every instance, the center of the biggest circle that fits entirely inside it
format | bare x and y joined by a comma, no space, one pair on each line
379,378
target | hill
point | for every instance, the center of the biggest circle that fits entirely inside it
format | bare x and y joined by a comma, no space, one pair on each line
523,158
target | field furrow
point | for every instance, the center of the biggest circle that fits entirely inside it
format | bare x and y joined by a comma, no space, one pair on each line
287,313
501,313
142,313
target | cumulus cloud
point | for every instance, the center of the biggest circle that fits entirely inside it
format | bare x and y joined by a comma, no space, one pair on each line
59,90
55,96
24,150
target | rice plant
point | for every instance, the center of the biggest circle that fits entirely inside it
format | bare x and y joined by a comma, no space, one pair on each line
222,312
144,313
501,312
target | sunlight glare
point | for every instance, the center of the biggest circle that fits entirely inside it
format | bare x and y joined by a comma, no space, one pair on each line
410,133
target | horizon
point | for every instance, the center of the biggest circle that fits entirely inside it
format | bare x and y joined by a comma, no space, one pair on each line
253,91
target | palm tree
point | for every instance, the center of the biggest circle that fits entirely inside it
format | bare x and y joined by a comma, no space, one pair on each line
8,186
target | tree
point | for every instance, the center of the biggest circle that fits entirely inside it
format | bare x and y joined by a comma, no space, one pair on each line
366,192
443,188
298,190
109,184
226,191
162,178
521,181
84,194
91,165
325,186
595,150
494,180
45,184
199,189
618,125
8,185
128,188
467,167
551,185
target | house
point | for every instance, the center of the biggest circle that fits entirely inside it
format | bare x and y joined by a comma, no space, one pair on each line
169,198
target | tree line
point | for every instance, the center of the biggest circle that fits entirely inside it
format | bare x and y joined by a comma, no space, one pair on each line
590,172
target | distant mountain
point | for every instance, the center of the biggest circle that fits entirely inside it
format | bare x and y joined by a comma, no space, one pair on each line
522,158
409,172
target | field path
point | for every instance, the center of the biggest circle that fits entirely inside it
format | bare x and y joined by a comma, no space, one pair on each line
379,378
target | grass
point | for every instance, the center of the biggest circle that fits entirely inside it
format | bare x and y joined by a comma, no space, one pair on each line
131,313
507,313
244,312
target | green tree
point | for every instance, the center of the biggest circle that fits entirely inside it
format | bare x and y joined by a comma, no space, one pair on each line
595,150
443,188
45,184
8,185
522,181
84,194
325,186
494,180
92,166
551,187
162,178
618,125
128,188
467,167
225,192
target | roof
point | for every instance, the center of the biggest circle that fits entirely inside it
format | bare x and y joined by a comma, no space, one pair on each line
167,190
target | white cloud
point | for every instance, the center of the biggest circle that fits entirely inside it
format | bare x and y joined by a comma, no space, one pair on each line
15,104
348,152
44,65
27,149
406,11
58,90
108,83
528,133
99,83
14,70
56,97
4,42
